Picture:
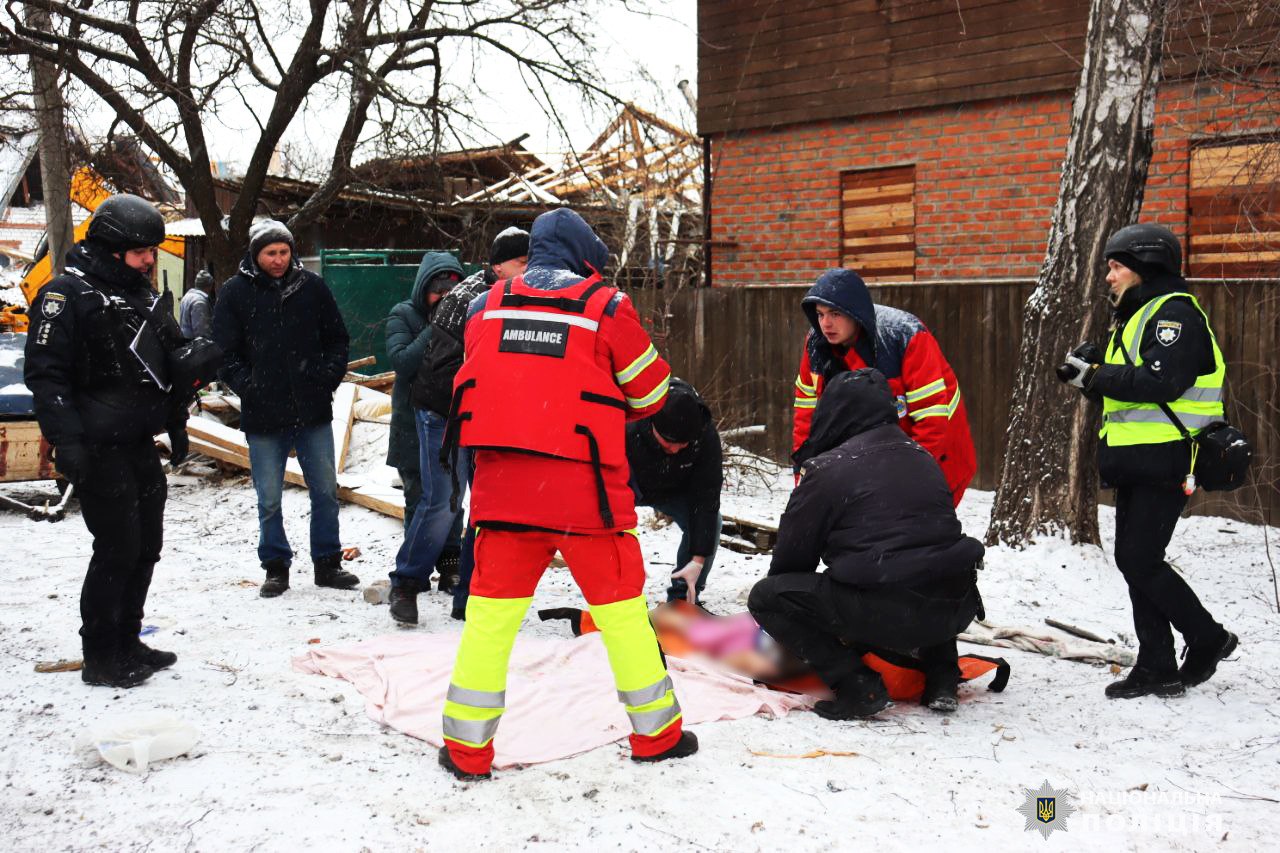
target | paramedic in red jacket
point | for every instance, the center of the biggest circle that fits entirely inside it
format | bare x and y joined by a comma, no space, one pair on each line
556,362
851,332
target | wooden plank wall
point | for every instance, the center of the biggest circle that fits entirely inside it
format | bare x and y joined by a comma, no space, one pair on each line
741,347
1234,210
878,223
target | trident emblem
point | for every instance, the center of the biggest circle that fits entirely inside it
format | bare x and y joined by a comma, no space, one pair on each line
1044,809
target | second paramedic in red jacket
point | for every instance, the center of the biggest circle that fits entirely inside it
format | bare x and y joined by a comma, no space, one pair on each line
851,332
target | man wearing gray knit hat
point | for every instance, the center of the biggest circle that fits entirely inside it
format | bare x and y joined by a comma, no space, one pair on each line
286,353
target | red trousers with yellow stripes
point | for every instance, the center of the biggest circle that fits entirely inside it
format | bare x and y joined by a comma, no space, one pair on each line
609,570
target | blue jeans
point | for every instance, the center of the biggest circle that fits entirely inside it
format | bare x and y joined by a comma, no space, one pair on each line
268,453
433,520
681,511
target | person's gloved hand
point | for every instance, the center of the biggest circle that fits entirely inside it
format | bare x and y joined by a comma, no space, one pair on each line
1081,371
72,462
690,573
179,445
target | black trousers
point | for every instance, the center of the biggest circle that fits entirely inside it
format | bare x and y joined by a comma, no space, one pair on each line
122,500
1145,518
830,625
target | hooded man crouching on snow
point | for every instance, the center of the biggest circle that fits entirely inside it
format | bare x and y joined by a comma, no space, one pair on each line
874,506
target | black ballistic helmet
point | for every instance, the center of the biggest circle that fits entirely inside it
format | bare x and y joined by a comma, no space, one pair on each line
1151,246
125,222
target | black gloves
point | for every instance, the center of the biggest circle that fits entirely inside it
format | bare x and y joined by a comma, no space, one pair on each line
179,445
1080,365
72,462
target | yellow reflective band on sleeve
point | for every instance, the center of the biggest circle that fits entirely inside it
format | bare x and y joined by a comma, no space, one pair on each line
636,367
938,411
926,391
652,397
811,390
805,403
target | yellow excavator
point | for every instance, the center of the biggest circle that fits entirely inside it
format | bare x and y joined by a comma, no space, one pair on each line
88,190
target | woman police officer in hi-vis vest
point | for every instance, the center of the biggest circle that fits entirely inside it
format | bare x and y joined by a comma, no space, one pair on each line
1161,354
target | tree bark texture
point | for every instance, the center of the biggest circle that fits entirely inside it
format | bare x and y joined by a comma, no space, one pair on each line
1049,481
55,159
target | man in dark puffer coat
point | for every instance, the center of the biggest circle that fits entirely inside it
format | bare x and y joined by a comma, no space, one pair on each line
286,353
874,506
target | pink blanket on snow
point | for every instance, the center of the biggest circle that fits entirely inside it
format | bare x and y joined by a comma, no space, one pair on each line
561,700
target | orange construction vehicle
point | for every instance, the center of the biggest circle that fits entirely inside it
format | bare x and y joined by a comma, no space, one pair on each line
88,190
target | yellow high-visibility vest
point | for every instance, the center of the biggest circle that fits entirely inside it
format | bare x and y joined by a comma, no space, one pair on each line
1144,423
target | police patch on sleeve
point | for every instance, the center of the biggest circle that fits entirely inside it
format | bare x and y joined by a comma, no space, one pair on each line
53,305
534,337
1168,332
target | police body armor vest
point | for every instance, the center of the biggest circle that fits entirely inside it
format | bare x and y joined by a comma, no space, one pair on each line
531,382
1144,423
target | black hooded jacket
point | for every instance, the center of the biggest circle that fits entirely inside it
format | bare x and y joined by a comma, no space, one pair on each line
695,472
871,503
1168,369
286,347
88,388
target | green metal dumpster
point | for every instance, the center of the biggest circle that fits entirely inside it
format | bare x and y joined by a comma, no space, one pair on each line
366,284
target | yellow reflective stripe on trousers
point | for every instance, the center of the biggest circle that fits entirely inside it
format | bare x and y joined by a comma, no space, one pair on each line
637,667
636,367
477,688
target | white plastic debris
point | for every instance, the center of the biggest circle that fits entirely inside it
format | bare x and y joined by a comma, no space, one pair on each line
133,742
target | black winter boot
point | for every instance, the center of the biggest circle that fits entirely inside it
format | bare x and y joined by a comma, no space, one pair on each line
1201,662
940,687
404,602
448,566
105,665
683,748
329,573
862,695
1144,682
144,654
277,578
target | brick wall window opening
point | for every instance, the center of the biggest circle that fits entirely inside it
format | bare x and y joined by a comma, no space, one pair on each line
1233,217
878,223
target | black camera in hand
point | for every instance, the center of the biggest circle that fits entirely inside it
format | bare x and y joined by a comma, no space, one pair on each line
1085,352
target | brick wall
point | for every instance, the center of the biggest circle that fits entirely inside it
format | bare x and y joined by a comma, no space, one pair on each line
986,182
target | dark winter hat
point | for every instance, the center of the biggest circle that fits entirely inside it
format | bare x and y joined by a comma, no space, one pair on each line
681,417
264,232
204,280
511,243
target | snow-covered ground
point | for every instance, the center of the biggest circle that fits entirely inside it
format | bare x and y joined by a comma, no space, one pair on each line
291,762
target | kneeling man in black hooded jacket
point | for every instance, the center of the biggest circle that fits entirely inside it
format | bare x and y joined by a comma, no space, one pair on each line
874,506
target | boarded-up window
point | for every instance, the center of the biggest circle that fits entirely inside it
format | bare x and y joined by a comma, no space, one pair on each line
1234,218
878,223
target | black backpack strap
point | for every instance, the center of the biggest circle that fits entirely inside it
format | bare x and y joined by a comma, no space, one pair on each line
563,303
602,494
1003,670
1118,340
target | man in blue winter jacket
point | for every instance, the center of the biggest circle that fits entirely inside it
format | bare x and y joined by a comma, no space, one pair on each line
286,353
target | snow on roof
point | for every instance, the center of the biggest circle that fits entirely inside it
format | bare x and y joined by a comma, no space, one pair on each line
15,156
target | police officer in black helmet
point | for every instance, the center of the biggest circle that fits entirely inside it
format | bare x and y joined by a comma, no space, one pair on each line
95,367
1161,355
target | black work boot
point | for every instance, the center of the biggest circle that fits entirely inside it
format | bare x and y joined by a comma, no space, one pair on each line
277,578
329,572
683,748
404,602
105,665
862,695
1145,682
940,687
142,653
1201,662
446,761
448,566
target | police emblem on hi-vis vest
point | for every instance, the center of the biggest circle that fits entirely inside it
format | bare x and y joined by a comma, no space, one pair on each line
1046,809
534,337
53,305
1168,332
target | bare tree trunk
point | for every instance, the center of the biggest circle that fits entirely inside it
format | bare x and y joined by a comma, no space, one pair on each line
1049,481
55,161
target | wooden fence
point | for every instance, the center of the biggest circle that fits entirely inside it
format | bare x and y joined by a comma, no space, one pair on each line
741,347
